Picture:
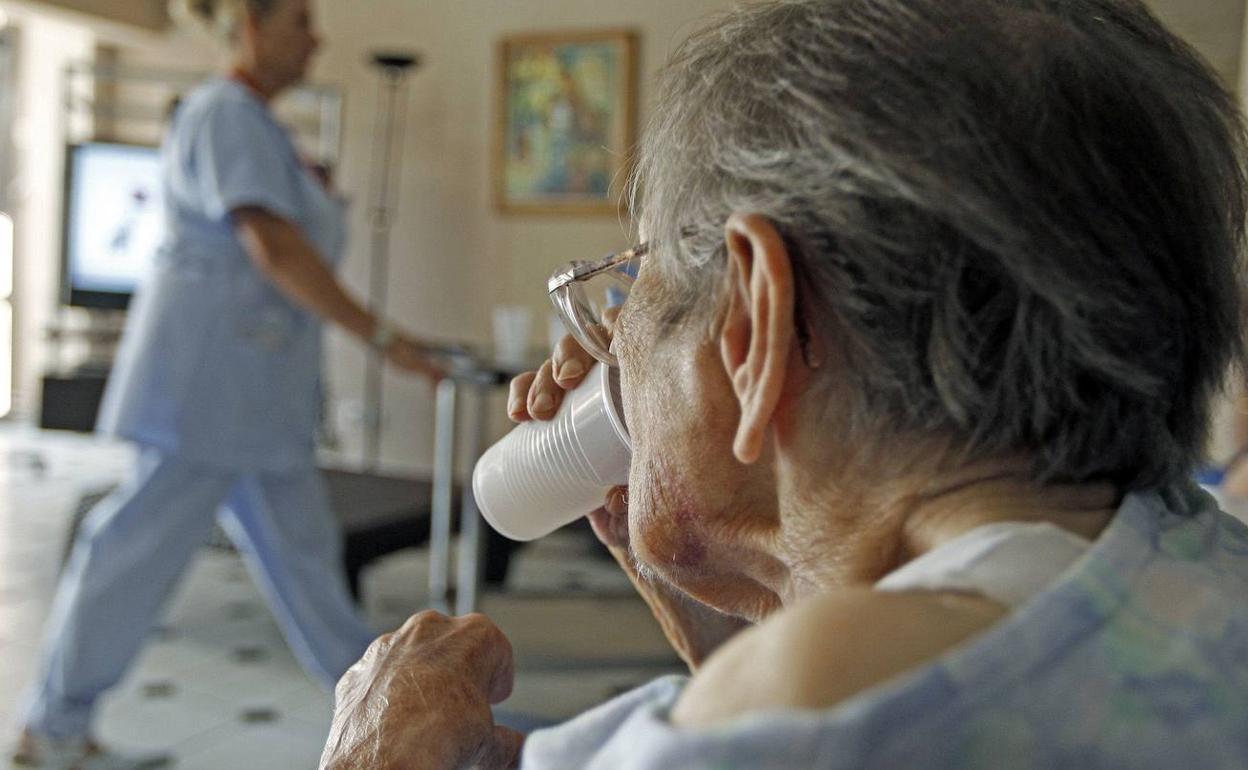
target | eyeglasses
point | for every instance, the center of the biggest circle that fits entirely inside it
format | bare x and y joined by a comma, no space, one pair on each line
588,296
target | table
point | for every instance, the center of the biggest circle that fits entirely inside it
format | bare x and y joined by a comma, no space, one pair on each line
473,375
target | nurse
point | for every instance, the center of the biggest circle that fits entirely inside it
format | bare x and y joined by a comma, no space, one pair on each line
217,382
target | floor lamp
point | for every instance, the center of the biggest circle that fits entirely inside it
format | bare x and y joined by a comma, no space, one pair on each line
387,161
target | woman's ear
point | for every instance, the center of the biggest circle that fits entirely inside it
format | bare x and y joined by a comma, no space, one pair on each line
756,337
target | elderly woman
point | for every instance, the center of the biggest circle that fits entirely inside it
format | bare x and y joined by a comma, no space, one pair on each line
934,300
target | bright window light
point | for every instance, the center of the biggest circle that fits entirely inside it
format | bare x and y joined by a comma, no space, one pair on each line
6,314
6,256
6,358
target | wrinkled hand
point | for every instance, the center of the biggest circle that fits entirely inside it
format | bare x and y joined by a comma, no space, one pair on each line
420,699
694,629
411,356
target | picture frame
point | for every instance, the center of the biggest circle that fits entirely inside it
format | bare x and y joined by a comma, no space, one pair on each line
565,121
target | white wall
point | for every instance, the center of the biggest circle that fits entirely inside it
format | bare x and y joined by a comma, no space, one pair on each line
454,257
144,14
45,46
1214,27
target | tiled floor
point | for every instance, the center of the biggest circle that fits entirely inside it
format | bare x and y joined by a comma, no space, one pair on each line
217,685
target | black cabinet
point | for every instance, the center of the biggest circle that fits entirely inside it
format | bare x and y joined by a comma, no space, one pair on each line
71,400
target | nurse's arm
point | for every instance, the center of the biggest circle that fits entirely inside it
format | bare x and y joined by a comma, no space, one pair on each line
282,254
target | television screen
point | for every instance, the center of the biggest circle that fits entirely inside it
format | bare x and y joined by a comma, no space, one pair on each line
114,221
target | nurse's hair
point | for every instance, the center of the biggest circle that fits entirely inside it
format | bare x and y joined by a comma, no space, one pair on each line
219,18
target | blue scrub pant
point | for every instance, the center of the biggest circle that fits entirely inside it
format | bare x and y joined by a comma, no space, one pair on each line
134,545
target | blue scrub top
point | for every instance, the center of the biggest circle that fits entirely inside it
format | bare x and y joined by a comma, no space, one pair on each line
215,364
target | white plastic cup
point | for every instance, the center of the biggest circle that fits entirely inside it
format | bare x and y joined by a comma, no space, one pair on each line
545,474
512,324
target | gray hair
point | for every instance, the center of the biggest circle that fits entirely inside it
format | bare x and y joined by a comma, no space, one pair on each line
1020,220
219,18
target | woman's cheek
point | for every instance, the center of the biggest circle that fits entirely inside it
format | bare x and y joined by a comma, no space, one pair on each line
666,523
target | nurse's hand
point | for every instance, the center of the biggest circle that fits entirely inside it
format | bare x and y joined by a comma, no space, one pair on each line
420,698
410,356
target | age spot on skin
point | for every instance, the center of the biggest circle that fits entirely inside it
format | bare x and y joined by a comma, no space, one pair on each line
690,551
676,542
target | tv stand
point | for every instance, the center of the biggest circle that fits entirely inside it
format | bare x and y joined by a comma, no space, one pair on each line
81,346
71,399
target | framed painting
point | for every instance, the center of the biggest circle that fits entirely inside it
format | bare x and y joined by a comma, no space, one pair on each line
566,106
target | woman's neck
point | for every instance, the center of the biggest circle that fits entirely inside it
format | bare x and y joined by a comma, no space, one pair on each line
871,531
938,516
